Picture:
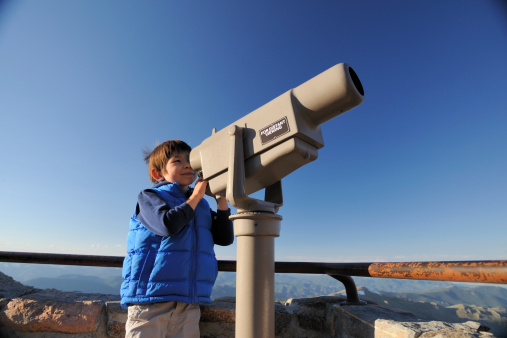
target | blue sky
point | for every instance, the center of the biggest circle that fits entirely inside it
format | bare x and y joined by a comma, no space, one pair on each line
417,172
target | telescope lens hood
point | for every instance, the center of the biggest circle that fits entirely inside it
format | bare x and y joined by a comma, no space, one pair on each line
355,80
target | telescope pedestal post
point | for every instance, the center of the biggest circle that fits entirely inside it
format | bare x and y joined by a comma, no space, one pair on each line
255,273
255,225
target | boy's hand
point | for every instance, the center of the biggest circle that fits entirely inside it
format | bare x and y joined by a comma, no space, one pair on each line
221,200
198,193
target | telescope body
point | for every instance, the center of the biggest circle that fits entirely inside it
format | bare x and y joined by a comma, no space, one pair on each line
282,135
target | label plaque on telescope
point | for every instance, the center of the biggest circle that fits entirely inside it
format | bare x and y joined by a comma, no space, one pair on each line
274,130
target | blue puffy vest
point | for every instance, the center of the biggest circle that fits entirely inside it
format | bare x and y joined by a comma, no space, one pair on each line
179,268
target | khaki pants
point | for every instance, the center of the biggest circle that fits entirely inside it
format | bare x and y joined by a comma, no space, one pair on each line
168,319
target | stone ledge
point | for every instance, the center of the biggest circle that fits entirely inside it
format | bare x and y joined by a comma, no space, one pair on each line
27,312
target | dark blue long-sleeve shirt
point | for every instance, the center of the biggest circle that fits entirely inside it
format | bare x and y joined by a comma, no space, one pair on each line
157,216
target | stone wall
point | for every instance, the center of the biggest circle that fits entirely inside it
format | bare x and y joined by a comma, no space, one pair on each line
27,312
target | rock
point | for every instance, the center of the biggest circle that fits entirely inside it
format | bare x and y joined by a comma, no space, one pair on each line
28,309
32,315
218,318
389,328
282,319
221,310
9,288
54,311
311,313
116,319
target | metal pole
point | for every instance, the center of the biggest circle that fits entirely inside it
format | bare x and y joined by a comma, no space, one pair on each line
255,273
61,259
469,271
350,290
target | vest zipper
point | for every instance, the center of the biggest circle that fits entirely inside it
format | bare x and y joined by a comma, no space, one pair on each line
193,264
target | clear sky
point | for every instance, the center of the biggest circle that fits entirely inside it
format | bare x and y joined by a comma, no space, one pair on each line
417,172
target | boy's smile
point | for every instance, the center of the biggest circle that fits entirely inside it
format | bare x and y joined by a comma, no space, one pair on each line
178,170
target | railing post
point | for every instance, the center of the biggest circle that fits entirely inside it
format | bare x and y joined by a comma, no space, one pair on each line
350,289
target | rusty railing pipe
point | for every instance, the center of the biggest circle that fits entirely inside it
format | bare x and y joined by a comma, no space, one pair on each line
493,271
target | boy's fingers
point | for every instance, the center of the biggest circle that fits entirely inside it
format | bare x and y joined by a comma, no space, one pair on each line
201,185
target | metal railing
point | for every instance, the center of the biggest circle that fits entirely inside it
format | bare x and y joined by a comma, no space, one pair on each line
491,271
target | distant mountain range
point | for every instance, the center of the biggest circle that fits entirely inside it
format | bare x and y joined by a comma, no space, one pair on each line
75,282
487,296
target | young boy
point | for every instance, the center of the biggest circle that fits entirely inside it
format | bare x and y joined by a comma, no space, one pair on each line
171,266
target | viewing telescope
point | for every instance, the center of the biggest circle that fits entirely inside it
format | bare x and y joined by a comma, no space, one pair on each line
282,135
256,152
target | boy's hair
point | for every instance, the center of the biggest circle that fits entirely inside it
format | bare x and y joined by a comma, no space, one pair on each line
158,157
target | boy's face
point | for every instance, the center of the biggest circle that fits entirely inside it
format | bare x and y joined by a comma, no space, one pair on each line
178,170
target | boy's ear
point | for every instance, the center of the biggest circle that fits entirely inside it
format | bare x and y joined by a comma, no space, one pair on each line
157,175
